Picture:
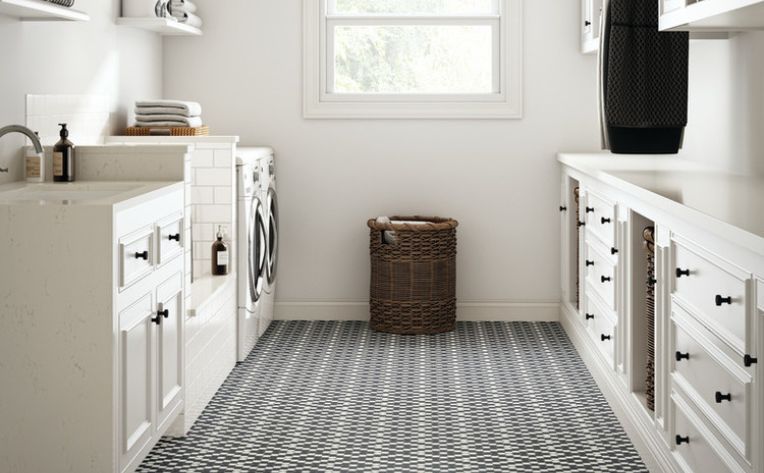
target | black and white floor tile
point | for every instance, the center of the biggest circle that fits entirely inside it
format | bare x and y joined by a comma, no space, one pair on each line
336,397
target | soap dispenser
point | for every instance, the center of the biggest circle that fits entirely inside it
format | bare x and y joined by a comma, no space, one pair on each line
220,255
63,157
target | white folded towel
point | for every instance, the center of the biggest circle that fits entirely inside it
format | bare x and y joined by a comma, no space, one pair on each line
189,19
180,107
191,122
182,6
389,235
163,111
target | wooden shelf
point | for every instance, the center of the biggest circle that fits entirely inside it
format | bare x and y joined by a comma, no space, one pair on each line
163,26
39,10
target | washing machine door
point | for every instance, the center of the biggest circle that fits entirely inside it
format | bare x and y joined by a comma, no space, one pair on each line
256,245
273,234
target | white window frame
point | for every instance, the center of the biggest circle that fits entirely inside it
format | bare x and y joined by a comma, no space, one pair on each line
505,103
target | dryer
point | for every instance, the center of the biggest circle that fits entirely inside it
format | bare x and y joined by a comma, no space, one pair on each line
252,267
272,228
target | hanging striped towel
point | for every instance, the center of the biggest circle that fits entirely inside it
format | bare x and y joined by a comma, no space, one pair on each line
63,3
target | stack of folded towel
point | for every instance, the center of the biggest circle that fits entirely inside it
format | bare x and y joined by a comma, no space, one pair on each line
63,3
168,113
183,11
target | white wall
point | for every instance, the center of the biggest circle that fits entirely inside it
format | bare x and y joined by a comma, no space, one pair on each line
726,116
94,57
498,178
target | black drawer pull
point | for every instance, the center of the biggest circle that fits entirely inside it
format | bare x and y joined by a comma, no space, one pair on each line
680,440
144,255
605,338
722,397
589,263
652,281
157,320
589,210
587,23
605,279
164,313
175,237
605,220
589,316
563,208
613,251
581,224
720,301
748,360
682,272
682,356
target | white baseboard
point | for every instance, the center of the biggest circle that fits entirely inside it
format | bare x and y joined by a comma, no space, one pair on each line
638,426
498,311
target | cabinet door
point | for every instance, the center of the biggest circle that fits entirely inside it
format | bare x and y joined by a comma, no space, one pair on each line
169,347
136,376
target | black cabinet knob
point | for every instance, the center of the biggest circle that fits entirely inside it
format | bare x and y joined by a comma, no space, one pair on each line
589,263
175,237
720,301
144,255
581,224
157,320
652,281
680,440
748,360
605,279
722,397
605,220
589,316
682,272
563,208
587,23
605,338
613,251
589,210
164,313
682,356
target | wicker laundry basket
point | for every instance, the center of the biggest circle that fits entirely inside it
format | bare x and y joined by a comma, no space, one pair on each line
413,277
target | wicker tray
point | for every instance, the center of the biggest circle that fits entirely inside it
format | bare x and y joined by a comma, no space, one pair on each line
167,131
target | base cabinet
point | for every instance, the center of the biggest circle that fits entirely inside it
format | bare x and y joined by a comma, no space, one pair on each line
687,381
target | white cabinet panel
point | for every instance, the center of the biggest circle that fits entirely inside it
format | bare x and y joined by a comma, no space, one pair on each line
170,242
169,346
136,256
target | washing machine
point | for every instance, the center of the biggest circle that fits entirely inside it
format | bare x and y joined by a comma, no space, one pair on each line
252,243
272,231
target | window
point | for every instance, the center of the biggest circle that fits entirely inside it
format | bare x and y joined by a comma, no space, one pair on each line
412,58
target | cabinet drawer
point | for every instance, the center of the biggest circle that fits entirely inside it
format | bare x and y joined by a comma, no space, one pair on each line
602,328
136,256
601,272
693,444
600,218
716,291
712,380
170,242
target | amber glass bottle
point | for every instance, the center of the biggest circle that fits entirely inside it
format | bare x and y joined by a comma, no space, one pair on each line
220,256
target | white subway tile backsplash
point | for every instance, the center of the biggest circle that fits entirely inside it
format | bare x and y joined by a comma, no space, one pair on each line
221,214
203,232
202,195
88,117
213,177
223,158
223,195
204,158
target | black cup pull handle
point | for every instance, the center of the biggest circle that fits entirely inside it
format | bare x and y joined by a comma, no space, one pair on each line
720,301
680,440
605,279
175,237
722,397
589,263
682,356
605,220
589,316
748,360
682,272
142,255
605,338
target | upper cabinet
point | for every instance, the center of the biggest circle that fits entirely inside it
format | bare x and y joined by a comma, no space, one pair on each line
39,10
711,15
591,14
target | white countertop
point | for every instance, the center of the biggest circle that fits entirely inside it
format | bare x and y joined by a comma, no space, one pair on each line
725,203
82,193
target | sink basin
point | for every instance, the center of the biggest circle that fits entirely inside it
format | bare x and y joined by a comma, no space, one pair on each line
65,192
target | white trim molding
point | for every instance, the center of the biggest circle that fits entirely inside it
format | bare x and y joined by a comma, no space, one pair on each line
506,102
472,311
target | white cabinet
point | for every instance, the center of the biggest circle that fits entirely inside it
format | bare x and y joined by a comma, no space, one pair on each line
591,19
711,15
682,363
170,343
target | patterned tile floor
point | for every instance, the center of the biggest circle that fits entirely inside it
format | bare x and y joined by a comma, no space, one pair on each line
336,397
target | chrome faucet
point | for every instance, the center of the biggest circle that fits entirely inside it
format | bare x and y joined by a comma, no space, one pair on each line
24,131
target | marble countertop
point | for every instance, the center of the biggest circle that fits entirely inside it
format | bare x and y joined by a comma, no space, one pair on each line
119,194
730,204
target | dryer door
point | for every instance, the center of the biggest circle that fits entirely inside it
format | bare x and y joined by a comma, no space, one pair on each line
256,245
273,234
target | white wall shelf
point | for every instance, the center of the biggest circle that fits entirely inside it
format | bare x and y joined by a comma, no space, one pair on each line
39,10
163,26
712,15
